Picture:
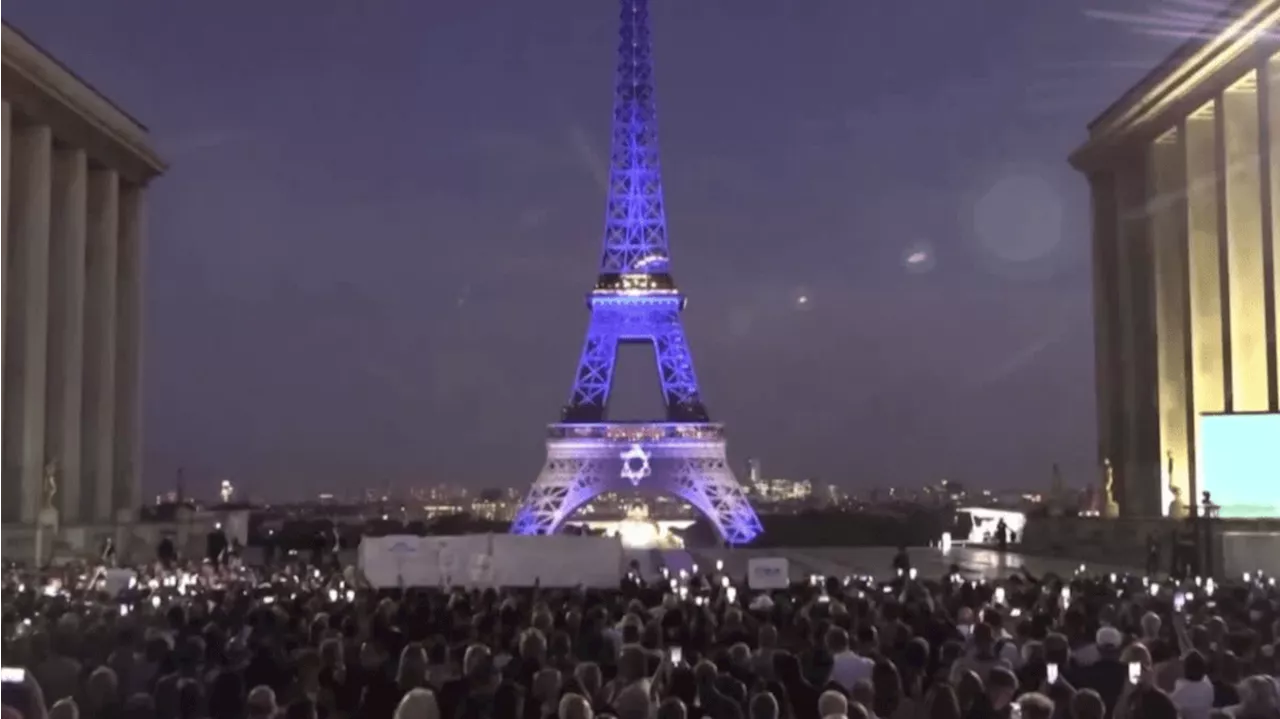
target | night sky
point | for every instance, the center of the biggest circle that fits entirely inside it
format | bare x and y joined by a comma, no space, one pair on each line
367,263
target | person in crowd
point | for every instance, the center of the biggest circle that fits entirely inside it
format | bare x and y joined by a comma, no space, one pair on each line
576,706
833,703
418,703
847,666
1107,674
1193,694
902,561
1035,706
763,706
261,703
1088,704
941,703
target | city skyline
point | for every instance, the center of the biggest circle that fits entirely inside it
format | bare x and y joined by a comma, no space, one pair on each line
391,285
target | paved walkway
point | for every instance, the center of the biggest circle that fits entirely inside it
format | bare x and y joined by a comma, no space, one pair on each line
974,563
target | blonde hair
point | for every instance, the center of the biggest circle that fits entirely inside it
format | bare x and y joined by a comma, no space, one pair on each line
1259,693
833,702
533,644
65,709
418,704
413,665
574,706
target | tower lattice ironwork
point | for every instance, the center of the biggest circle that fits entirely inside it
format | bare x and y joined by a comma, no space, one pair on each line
635,299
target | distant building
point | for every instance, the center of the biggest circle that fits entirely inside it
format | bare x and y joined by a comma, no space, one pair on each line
782,490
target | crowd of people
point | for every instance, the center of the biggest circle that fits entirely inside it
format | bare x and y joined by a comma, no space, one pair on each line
313,643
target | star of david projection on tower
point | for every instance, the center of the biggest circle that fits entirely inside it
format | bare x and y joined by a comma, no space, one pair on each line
635,300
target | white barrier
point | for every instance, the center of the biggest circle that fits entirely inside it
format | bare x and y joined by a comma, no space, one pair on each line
557,560
768,573
397,561
455,556
485,560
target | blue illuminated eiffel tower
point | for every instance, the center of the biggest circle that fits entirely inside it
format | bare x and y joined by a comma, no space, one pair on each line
635,300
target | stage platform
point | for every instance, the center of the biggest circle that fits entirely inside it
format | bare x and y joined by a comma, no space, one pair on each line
974,563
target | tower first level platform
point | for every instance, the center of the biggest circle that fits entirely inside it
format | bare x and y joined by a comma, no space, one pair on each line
680,459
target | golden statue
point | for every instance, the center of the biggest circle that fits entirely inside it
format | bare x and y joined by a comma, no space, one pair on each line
1109,506
50,484
1177,507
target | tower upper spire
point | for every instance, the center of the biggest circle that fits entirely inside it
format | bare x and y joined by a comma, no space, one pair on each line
635,235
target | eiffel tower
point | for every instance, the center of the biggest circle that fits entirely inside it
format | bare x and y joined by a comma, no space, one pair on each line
635,299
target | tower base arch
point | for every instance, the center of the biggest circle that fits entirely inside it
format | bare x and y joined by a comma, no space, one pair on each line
684,460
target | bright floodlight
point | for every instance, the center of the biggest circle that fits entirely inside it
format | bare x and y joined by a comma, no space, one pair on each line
637,534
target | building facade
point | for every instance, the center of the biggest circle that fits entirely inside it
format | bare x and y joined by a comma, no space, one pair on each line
1184,172
76,169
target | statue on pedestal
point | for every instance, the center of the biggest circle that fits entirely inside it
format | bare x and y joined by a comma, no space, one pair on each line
1110,508
50,484
1177,505
47,517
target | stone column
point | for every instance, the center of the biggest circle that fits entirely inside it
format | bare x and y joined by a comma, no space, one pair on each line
1106,318
1207,346
1135,465
66,324
1242,190
1168,206
5,156
27,289
128,416
1269,122
98,431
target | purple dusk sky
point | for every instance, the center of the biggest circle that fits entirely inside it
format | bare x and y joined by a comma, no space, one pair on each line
368,261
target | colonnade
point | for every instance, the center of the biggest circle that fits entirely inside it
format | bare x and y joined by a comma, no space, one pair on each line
1186,248
73,232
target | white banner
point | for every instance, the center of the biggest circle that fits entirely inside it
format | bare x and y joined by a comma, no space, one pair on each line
486,560
395,561
768,573
557,560
115,580
481,571
455,555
